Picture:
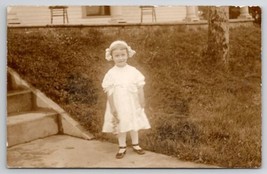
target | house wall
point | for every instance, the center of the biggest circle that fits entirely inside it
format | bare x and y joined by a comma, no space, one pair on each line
40,15
37,15
132,14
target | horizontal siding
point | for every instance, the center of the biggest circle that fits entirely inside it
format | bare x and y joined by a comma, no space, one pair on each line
40,15
173,13
132,14
32,15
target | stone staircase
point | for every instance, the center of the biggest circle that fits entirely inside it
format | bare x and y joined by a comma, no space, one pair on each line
31,115
25,121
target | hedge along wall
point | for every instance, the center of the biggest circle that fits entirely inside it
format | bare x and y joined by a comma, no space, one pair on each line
197,111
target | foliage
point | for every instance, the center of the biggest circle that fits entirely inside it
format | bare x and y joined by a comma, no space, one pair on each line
198,112
234,12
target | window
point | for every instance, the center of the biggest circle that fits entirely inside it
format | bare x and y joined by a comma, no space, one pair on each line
96,11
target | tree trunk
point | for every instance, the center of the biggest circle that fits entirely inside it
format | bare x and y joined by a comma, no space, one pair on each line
218,35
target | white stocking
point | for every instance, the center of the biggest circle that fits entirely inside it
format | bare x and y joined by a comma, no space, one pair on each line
122,141
134,137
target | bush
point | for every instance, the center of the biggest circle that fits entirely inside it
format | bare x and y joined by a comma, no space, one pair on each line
197,112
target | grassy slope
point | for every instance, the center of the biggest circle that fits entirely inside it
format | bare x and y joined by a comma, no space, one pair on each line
197,112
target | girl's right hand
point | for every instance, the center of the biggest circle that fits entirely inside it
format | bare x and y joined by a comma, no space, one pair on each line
114,112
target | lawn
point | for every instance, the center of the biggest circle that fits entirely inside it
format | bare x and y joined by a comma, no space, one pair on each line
198,112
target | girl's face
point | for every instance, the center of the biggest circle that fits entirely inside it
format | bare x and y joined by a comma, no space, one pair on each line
120,57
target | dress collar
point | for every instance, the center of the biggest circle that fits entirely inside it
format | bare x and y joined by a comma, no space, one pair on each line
121,68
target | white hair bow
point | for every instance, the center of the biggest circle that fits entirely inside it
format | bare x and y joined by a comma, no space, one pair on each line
113,44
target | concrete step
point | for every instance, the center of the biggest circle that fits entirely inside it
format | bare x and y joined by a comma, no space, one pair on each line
9,82
19,100
14,81
27,126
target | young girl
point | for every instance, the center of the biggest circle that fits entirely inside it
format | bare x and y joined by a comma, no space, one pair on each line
125,105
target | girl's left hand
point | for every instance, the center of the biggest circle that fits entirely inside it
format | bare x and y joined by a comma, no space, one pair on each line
141,96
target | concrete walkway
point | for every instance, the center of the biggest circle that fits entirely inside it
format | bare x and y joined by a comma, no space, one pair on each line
62,151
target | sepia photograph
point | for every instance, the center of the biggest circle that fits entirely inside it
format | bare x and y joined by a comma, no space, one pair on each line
133,86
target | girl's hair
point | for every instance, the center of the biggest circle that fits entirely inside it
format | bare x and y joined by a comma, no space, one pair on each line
119,44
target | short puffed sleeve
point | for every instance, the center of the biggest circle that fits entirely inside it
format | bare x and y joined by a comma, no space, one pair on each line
108,83
140,78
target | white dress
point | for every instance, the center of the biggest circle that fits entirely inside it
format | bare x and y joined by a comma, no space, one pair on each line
123,83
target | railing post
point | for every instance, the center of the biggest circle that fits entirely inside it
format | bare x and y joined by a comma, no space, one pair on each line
191,14
244,13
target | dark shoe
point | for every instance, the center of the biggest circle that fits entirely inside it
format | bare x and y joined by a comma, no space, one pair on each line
138,151
121,155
